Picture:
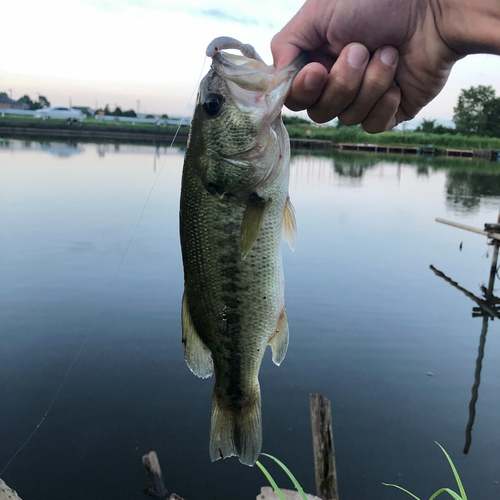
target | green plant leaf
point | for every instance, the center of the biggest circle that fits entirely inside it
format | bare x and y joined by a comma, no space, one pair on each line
289,474
454,495
402,489
271,480
447,490
455,473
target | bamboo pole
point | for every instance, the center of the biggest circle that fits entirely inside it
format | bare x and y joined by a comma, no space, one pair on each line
495,236
325,470
480,302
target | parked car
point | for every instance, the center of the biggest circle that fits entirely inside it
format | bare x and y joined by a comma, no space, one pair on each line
60,112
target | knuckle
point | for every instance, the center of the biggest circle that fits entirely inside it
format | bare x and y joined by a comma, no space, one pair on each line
320,116
373,127
378,83
350,118
294,105
344,86
276,41
391,98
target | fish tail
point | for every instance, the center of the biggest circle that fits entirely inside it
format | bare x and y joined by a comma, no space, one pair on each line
236,431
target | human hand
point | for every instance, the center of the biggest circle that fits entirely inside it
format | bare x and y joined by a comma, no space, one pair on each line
409,63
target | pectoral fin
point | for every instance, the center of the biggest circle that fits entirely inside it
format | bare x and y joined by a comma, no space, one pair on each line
289,225
252,222
197,354
279,341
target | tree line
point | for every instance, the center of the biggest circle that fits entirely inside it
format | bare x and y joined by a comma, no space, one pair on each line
477,113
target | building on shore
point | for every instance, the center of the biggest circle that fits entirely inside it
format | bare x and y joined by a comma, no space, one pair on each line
8,103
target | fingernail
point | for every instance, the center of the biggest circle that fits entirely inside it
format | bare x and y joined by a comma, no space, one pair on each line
357,56
389,56
313,80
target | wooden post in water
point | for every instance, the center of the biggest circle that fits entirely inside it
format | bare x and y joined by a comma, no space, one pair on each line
156,487
325,470
494,261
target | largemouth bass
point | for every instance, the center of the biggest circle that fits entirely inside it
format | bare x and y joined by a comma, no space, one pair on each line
234,209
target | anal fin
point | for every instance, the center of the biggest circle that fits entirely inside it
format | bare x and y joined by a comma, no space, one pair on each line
197,354
279,340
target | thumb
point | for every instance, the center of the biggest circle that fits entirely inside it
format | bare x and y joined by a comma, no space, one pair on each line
301,33
284,52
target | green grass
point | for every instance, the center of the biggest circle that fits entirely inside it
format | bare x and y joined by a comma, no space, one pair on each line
453,494
456,496
273,482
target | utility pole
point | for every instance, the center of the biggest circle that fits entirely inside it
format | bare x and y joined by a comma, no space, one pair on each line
138,106
70,101
10,92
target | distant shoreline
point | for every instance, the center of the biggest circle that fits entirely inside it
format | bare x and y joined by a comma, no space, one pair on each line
62,131
319,139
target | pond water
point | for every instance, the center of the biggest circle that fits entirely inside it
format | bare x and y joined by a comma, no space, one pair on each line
373,328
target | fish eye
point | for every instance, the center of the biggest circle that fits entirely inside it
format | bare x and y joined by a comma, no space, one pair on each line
213,104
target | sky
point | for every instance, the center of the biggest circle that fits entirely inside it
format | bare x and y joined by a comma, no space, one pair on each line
151,53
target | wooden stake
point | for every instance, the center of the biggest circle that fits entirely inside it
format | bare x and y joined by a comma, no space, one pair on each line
324,454
151,464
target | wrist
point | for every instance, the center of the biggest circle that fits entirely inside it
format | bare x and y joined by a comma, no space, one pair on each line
469,26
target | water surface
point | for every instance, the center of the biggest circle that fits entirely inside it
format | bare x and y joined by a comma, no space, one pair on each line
392,345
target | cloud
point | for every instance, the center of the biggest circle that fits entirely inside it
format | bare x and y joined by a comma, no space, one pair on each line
224,12
227,16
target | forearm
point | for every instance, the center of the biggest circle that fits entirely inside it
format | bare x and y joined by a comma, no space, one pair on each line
469,26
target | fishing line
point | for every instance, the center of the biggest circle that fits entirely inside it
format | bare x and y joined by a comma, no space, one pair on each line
106,293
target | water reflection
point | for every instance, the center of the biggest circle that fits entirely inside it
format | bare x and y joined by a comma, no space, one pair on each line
488,308
468,182
465,189
364,242
60,149
72,148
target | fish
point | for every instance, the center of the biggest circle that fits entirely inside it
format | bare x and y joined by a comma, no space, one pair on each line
234,211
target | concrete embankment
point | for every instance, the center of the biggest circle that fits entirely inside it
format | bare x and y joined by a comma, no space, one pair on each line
312,144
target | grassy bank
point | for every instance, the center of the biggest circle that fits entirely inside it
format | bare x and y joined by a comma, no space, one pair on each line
22,127
418,139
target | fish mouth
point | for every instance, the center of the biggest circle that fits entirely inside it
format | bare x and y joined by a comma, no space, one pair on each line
249,78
